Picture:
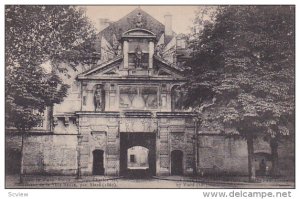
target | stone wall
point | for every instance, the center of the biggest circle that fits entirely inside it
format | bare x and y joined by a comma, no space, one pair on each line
12,153
51,154
221,155
286,153
175,134
63,127
99,132
57,153
217,154
72,102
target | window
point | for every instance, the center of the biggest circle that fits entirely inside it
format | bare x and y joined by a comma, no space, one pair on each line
132,158
112,87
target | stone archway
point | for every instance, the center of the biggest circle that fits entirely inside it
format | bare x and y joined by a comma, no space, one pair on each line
144,140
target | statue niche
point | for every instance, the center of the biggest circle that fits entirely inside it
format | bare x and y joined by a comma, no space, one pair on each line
99,98
138,57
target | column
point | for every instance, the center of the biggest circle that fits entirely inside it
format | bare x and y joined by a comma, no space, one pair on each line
151,53
125,54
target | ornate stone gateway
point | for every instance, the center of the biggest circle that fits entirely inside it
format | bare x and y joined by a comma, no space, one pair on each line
138,140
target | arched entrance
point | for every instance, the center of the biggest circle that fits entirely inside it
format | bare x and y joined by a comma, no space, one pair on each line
98,163
137,154
176,162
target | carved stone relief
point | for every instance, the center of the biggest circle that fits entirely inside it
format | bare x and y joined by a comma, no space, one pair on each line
99,137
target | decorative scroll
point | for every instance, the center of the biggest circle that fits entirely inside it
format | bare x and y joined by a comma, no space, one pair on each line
100,138
177,140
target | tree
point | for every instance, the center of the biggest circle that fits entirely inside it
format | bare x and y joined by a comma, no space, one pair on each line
35,35
242,73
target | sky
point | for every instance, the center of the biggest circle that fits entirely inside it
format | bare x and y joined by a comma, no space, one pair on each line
182,16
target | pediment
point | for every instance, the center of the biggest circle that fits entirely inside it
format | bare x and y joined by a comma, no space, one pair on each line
111,69
111,72
165,69
162,72
138,32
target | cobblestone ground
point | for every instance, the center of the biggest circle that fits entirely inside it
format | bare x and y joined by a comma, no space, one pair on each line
109,182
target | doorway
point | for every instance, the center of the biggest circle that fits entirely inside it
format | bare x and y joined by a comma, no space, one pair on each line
137,154
176,162
98,163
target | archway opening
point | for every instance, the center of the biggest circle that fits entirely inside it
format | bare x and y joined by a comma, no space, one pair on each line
137,154
176,162
137,158
98,162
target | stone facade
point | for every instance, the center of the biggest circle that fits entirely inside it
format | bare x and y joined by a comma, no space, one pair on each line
129,99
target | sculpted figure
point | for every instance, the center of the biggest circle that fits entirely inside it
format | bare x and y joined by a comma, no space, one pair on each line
138,57
139,20
99,99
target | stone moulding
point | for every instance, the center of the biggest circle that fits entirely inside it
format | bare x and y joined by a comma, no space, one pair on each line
138,114
175,114
107,114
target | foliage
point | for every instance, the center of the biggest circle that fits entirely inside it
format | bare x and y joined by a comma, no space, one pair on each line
244,62
35,35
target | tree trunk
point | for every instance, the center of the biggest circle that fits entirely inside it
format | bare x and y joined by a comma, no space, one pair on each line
22,159
51,127
251,165
274,155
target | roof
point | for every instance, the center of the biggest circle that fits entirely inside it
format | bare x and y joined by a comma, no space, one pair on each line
128,22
